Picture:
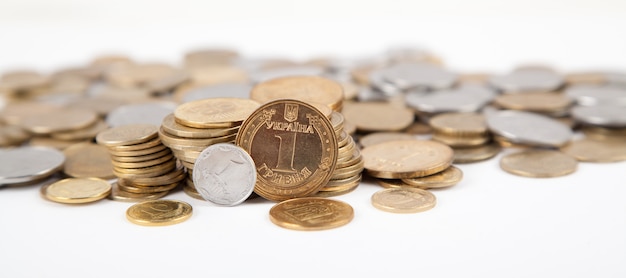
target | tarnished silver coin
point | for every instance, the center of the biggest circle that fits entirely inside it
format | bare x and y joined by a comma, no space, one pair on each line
607,115
529,128
25,164
527,80
236,90
469,98
587,94
224,174
144,113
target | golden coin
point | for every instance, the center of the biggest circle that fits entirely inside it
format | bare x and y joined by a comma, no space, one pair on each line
88,160
539,163
214,112
13,135
136,147
378,116
576,78
160,168
172,177
392,183
604,133
170,126
293,146
403,200
337,120
406,159
596,151
334,193
506,143
58,121
181,143
192,192
308,89
349,128
145,189
343,138
542,102
448,177
380,137
418,128
141,158
139,153
159,212
98,104
354,159
461,141
89,132
475,154
340,184
127,135
188,165
78,190
459,124
143,164
342,173
125,196
137,75
311,214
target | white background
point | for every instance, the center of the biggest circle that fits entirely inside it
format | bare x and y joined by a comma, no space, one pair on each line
492,224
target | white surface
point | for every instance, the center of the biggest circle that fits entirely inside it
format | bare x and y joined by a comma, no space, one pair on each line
492,224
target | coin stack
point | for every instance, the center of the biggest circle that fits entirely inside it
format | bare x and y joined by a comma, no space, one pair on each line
144,166
347,175
198,124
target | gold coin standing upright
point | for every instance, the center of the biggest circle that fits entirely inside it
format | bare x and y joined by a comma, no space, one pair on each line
159,212
311,213
293,146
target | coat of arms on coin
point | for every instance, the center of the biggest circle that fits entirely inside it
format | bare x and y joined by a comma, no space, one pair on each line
294,148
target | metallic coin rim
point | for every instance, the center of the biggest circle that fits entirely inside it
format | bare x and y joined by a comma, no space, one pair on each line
296,226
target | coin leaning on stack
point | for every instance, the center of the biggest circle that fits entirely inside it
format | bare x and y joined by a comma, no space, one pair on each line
196,125
146,169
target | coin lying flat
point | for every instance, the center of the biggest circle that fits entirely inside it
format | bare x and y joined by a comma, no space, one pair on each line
529,128
141,113
127,134
78,190
311,214
224,174
607,115
214,112
378,116
169,125
475,154
527,80
462,99
545,102
26,164
380,137
294,148
596,151
61,120
124,196
403,200
588,95
539,163
459,124
159,212
304,88
406,159
445,178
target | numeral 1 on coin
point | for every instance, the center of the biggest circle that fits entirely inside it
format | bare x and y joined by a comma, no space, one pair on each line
286,151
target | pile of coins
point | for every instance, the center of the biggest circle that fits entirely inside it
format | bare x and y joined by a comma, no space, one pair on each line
145,168
312,129
198,124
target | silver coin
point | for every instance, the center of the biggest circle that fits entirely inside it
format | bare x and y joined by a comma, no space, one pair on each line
527,80
529,128
616,78
224,174
380,84
419,75
468,98
597,94
144,113
601,115
271,73
236,90
27,164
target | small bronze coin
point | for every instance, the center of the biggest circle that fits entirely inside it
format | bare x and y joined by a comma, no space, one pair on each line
378,116
311,213
127,135
214,112
538,163
475,154
294,148
596,150
459,124
403,200
406,159
445,178
159,212
78,190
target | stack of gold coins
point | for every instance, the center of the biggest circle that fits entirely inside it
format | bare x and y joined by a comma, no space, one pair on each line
143,165
347,174
198,124
466,133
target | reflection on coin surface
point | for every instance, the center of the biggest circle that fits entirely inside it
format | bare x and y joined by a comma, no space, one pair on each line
539,163
311,213
159,212
224,174
293,146
127,134
596,151
403,200
406,159
78,190
529,128
26,164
